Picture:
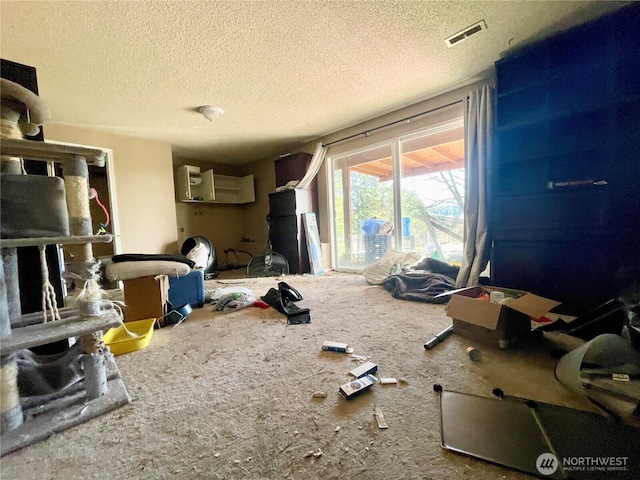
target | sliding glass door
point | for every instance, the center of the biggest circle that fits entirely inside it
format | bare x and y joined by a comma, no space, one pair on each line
363,206
432,186
406,193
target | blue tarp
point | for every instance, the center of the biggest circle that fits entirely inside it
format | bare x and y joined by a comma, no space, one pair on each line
371,226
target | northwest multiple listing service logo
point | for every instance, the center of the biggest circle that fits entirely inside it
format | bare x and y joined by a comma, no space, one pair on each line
547,464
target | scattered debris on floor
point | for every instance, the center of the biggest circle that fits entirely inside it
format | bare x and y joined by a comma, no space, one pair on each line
606,372
283,300
438,338
379,416
473,353
230,299
359,358
311,453
336,347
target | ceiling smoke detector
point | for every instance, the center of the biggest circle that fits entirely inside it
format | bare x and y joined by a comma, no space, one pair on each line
210,112
466,33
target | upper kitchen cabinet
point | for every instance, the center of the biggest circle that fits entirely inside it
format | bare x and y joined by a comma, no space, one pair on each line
192,185
228,189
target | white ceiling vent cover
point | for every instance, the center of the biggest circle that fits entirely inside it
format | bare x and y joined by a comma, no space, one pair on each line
466,33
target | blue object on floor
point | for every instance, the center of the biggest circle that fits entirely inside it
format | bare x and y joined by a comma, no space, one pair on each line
188,289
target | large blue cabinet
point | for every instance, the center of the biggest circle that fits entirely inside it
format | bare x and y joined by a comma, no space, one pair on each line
565,175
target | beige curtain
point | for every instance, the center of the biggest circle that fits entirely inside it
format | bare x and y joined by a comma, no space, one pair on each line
316,162
478,148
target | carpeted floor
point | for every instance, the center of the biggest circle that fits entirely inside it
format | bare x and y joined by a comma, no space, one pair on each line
229,395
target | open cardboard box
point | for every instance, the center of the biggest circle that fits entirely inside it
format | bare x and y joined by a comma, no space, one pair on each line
145,297
503,325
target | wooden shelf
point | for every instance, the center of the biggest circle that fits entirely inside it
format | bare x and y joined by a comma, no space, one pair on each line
41,241
45,151
44,333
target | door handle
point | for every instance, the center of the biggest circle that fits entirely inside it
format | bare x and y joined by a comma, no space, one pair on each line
576,183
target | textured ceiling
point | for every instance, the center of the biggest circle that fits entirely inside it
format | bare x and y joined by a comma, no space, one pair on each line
285,72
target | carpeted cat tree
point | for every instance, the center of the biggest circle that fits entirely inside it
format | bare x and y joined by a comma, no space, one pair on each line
43,394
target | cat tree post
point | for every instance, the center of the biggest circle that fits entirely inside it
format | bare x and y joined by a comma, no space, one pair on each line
10,409
9,116
76,180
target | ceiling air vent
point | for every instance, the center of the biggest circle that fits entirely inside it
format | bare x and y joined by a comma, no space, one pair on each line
466,33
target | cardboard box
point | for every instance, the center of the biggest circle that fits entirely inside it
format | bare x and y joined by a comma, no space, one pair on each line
367,368
503,325
356,387
336,347
145,297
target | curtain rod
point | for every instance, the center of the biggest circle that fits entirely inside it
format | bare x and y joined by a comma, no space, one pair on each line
367,132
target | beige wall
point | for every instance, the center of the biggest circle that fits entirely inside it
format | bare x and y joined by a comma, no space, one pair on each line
144,192
255,225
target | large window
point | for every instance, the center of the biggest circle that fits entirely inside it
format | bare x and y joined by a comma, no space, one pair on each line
405,193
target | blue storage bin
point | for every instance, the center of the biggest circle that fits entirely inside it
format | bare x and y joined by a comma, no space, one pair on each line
187,289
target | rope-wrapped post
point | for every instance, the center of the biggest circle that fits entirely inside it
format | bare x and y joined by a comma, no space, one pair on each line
10,309
76,183
11,290
76,180
95,368
9,129
10,409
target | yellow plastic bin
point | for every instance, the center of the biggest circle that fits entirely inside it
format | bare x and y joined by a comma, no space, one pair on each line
129,337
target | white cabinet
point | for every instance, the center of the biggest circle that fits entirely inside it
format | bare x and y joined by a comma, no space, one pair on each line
192,185
227,189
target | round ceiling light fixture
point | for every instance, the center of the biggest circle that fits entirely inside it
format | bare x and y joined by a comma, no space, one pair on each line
210,112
